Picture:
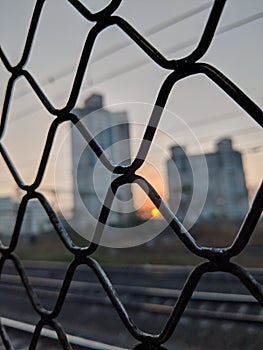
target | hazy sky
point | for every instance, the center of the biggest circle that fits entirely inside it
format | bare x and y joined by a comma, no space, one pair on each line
130,81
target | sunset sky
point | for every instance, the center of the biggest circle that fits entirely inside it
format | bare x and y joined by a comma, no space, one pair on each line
196,115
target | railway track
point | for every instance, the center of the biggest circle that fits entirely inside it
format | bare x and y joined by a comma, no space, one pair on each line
170,277
208,305
218,301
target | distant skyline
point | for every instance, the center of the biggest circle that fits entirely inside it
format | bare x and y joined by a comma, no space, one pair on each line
207,187
130,81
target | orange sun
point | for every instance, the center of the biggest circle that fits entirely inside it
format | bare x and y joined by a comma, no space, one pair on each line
155,213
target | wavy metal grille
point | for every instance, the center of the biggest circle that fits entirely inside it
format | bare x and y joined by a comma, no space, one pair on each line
218,259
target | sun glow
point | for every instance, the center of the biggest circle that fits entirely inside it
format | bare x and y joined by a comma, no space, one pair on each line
155,213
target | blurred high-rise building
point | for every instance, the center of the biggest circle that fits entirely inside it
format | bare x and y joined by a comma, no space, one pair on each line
91,179
227,195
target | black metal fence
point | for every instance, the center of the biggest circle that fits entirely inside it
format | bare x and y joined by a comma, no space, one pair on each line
218,259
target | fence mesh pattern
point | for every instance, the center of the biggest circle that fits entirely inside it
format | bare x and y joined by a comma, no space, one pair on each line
217,259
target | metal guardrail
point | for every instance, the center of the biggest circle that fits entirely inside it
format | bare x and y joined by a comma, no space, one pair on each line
218,259
51,334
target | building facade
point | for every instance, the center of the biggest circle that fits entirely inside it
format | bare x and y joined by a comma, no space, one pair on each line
91,179
8,209
227,195
35,221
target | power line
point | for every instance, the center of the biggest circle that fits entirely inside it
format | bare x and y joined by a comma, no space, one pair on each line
118,47
211,119
156,29
183,45
226,28
243,131
238,132
151,32
214,119
138,64
258,149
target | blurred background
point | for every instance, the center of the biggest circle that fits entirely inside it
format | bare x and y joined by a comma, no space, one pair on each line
197,116
205,162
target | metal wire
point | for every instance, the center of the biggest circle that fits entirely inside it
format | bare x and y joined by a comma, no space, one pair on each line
218,259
